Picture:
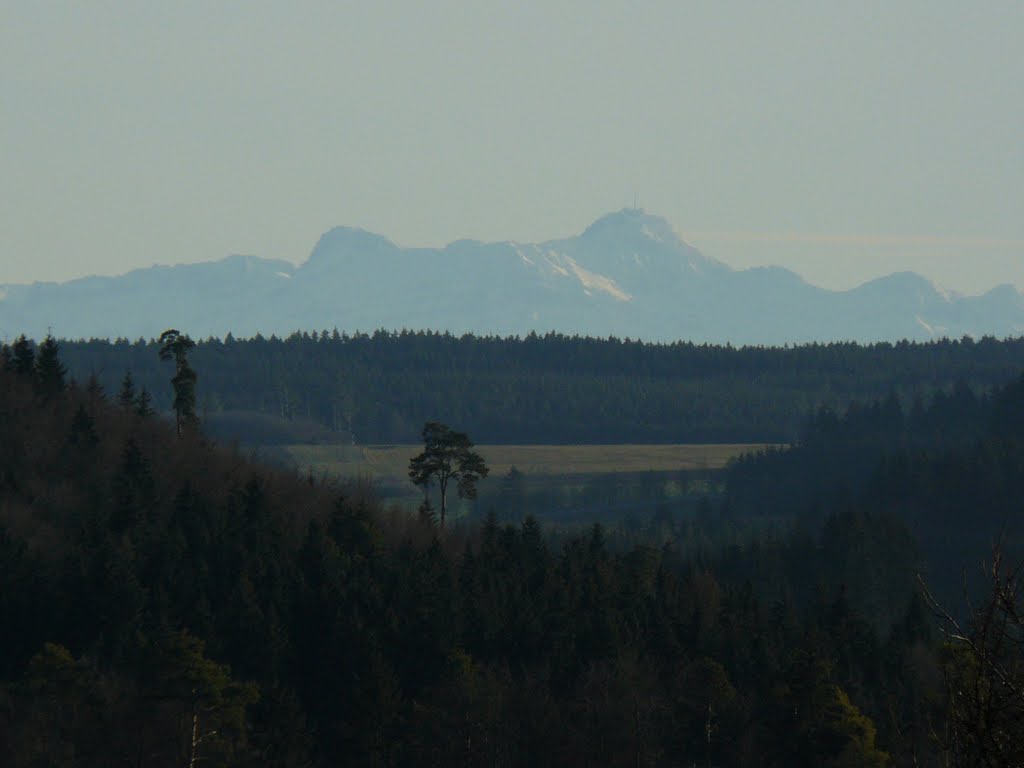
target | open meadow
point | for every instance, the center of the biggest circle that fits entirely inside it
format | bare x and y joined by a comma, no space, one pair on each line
388,464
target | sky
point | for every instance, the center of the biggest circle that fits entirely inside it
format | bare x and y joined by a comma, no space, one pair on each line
842,140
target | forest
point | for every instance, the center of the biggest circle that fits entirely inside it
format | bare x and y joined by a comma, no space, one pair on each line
551,389
848,599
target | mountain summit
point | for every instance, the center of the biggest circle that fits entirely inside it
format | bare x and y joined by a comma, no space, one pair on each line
629,274
638,249
632,229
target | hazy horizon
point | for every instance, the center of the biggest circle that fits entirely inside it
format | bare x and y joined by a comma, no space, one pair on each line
807,241
844,143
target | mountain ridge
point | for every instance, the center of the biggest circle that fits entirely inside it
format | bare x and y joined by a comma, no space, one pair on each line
628,274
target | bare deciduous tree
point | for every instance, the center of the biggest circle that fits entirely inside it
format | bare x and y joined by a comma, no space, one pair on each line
984,671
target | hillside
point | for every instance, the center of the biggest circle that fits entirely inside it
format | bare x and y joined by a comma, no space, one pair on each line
166,598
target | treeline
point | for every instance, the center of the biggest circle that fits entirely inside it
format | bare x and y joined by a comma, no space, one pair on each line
540,389
165,601
951,469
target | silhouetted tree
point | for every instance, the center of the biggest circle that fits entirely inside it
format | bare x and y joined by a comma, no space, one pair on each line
144,404
133,489
447,455
94,389
174,345
984,671
83,429
126,397
23,356
50,372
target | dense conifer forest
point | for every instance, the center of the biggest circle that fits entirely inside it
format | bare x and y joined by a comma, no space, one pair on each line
166,600
540,389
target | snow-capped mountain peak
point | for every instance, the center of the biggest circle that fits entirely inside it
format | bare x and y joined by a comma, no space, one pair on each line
628,274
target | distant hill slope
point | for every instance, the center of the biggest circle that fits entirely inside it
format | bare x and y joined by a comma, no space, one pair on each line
628,275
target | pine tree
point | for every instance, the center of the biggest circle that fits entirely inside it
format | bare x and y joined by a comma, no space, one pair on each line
176,345
93,388
144,404
50,372
126,398
210,709
83,430
23,356
133,489
447,455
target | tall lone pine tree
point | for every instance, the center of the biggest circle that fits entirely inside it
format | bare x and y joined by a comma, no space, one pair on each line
447,455
174,345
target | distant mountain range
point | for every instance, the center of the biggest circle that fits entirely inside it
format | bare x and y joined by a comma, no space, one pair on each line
628,275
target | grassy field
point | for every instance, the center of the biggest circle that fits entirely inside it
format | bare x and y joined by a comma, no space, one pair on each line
388,464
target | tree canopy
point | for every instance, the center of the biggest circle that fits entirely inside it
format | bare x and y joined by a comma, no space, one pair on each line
166,601
447,456
175,345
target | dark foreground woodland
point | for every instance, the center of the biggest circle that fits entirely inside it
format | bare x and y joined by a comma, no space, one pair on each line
165,601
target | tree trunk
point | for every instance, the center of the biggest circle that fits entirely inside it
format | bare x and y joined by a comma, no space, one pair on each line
194,753
444,498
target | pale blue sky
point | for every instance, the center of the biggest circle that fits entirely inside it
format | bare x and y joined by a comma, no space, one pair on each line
843,140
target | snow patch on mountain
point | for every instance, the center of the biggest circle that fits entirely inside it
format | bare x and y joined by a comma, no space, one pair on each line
525,259
592,281
628,274
650,234
931,330
553,259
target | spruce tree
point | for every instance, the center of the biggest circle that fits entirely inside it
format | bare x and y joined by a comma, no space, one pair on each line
133,489
23,356
83,430
93,388
144,404
50,372
126,397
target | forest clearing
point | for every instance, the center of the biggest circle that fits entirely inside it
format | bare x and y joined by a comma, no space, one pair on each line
389,464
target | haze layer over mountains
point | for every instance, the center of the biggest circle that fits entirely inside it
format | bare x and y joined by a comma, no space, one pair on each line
628,275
